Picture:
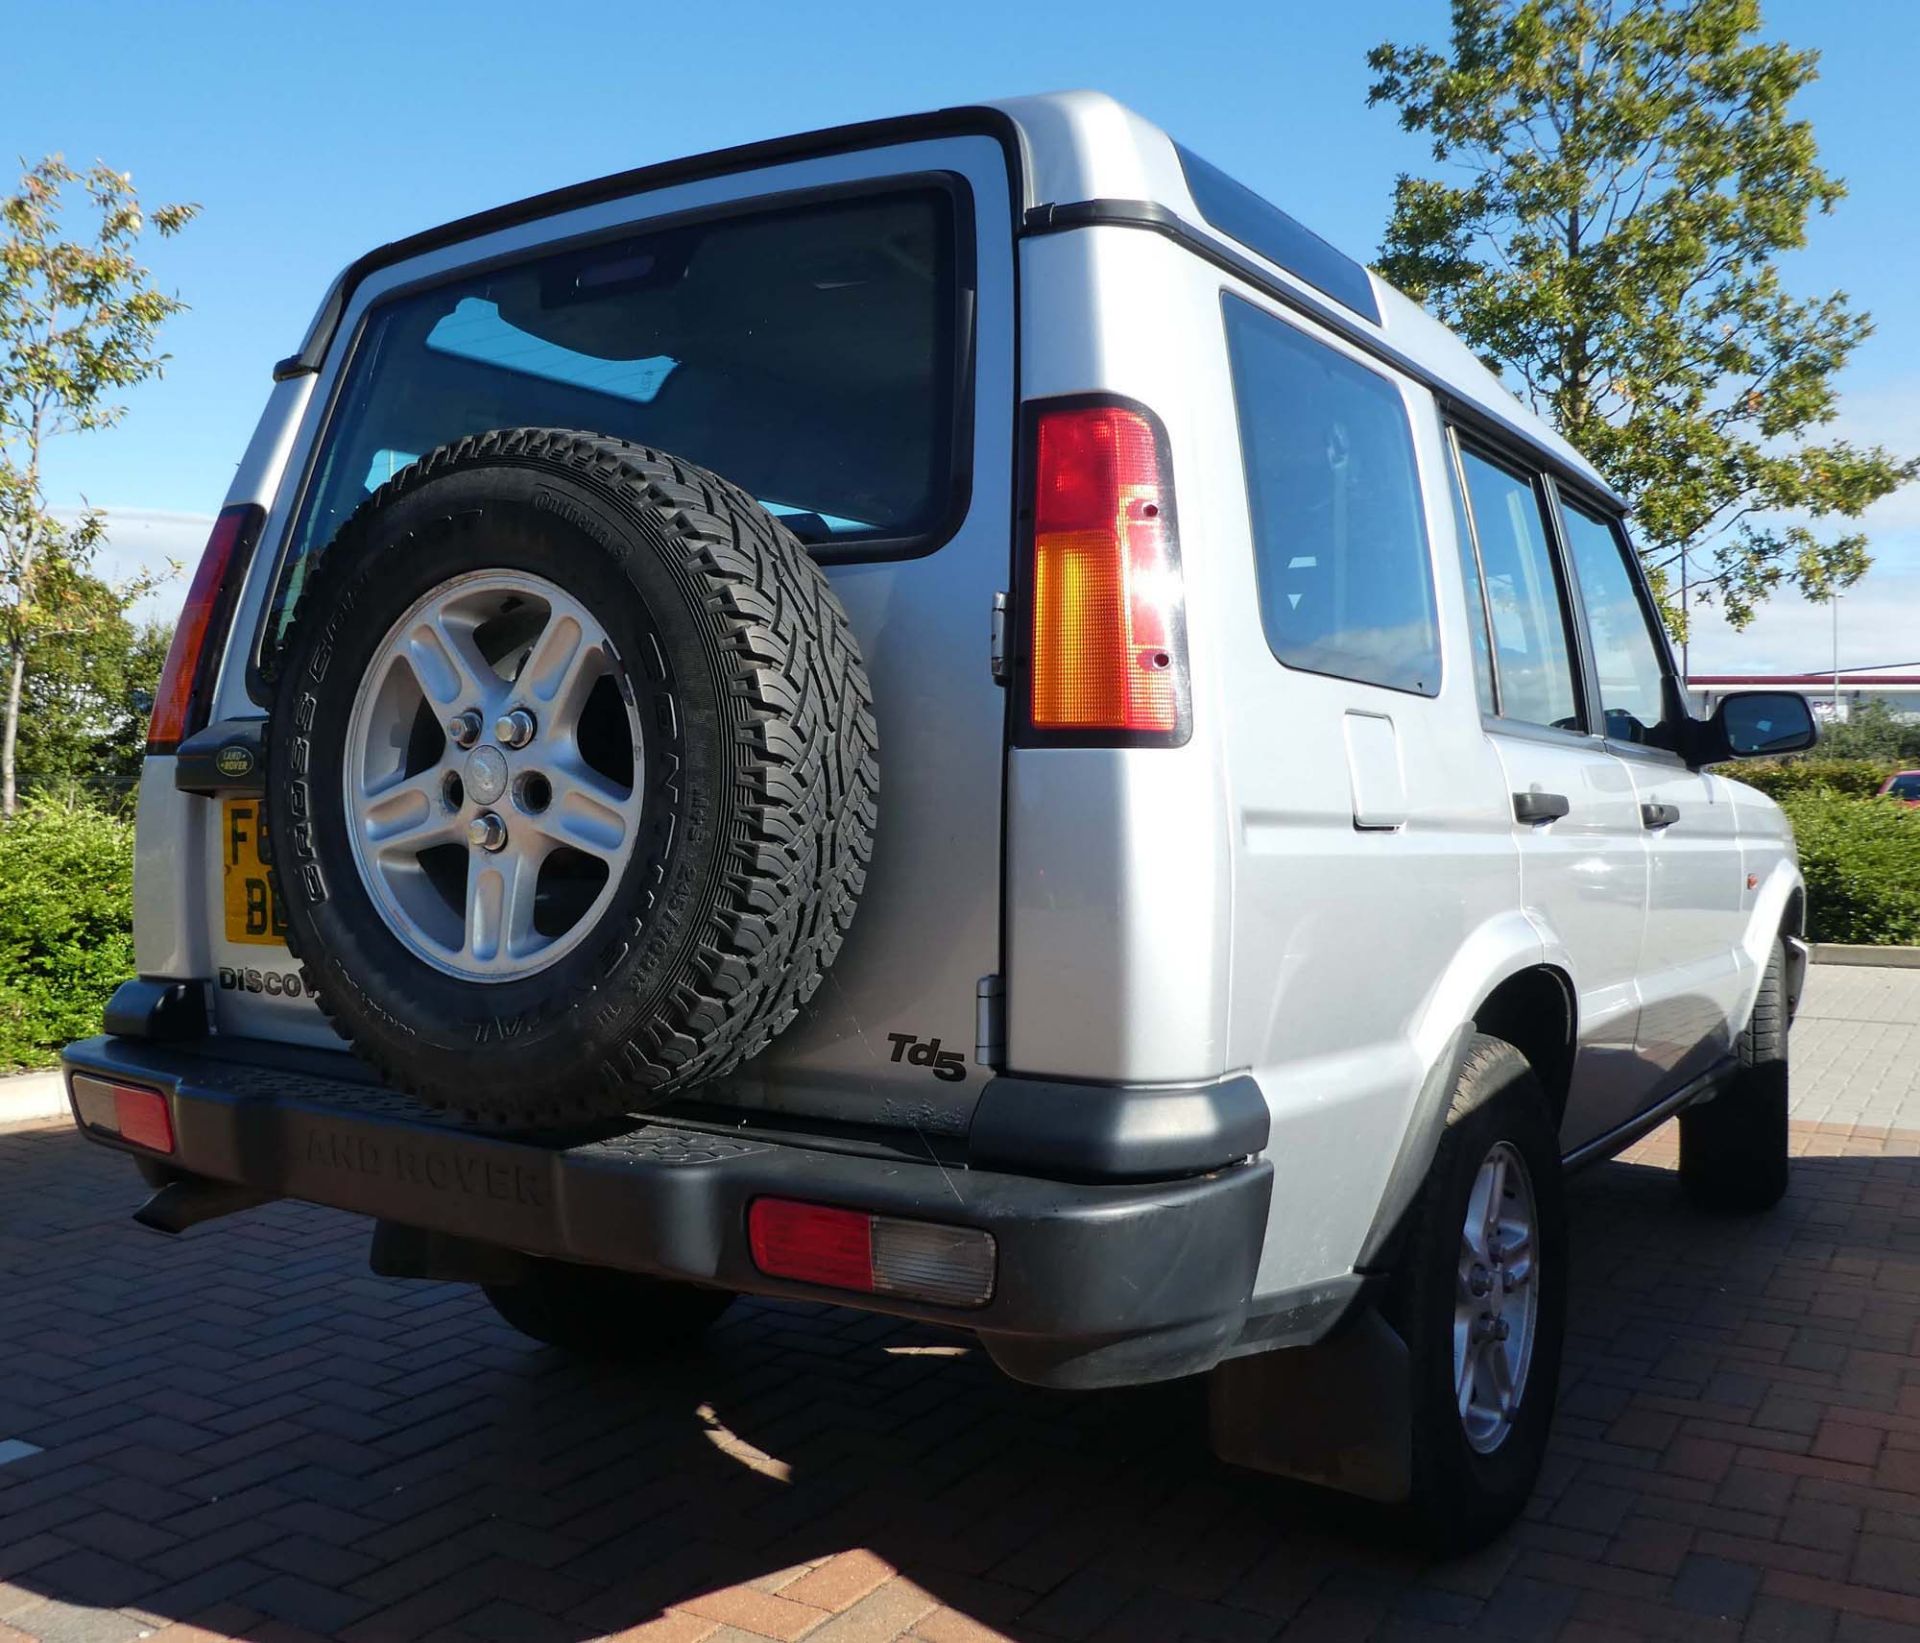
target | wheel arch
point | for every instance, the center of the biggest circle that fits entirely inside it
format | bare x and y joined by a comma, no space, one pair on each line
1503,981
1534,1011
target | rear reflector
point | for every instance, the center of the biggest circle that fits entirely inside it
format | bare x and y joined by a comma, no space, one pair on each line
185,697
871,1254
1107,657
130,1111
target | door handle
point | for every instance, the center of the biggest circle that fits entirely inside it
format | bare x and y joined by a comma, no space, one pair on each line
1537,807
1654,816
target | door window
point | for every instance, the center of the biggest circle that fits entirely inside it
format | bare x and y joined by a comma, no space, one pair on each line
1627,656
1340,537
1526,602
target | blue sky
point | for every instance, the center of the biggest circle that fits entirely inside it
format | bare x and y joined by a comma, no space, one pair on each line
309,132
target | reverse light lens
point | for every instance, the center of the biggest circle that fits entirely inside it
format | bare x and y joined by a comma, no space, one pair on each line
130,1111
181,705
871,1254
1108,642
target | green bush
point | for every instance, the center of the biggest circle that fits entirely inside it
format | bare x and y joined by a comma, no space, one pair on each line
1861,858
1853,778
66,924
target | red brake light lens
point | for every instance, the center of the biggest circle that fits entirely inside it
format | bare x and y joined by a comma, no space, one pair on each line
180,706
872,1254
812,1242
143,1117
1108,639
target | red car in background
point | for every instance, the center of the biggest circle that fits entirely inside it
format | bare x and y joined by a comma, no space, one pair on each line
1903,785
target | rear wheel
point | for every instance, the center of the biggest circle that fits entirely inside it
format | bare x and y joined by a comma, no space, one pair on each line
1733,1149
1480,1300
601,1313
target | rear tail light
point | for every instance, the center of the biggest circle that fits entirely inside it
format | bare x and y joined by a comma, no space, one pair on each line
871,1254
181,705
1107,651
130,1111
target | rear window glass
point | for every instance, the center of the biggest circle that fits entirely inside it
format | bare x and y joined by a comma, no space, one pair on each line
806,353
1340,538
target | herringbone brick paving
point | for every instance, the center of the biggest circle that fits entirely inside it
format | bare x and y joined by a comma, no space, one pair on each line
244,1434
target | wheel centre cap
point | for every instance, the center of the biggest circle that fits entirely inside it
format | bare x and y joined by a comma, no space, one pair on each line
486,775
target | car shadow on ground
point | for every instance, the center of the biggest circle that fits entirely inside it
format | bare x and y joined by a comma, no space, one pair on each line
246,1417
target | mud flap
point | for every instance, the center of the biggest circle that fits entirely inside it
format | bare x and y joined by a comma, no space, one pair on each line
1338,1414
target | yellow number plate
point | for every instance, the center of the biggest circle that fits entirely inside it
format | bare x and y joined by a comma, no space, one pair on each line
253,916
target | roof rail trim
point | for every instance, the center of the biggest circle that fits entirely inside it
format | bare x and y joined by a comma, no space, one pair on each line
1157,219
968,121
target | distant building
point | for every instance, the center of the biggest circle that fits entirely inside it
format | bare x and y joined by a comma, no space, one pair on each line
1899,691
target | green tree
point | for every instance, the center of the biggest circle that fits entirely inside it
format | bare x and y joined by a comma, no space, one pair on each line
84,706
1631,171
79,322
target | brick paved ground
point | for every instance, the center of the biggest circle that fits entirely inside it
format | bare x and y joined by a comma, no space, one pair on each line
1856,1046
242,1431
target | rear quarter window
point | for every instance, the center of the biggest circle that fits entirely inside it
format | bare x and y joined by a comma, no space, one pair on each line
1339,529
809,353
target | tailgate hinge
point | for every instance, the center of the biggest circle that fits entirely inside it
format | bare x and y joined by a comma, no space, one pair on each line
989,1023
997,646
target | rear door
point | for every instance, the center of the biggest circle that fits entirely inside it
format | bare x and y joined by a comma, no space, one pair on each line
836,335
1576,816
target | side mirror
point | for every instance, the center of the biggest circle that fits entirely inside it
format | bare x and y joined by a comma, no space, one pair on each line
1758,724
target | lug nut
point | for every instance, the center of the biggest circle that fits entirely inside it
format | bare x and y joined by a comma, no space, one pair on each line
487,832
1479,1281
515,729
463,729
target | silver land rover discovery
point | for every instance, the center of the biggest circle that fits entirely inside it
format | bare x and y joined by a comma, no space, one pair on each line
957,716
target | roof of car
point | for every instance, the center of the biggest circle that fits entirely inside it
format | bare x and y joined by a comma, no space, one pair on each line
1087,146
1085,159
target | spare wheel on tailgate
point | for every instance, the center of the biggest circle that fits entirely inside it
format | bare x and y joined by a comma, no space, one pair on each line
572,776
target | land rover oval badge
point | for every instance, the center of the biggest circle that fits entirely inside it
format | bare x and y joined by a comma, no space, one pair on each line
234,760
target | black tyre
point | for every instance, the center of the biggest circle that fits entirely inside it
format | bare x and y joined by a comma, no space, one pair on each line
601,1313
1733,1149
1480,1299
636,882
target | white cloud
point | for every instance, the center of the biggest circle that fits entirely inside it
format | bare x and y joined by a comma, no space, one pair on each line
150,540
1886,415
1879,623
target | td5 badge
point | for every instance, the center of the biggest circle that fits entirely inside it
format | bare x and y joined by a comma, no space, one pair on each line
926,1052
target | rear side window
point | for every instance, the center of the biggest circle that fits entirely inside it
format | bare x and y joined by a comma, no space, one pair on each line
1340,537
1526,604
810,354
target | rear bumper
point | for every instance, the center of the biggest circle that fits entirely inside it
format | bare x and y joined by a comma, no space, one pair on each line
1095,1285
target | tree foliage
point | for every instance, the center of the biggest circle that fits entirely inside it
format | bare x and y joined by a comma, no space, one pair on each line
84,707
1627,172
66,923
80,320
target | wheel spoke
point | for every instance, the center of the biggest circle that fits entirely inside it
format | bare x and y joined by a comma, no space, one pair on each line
500,899
1495,1202
440,649
561,668
1500,1373
408,815
1516,1244
587,811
